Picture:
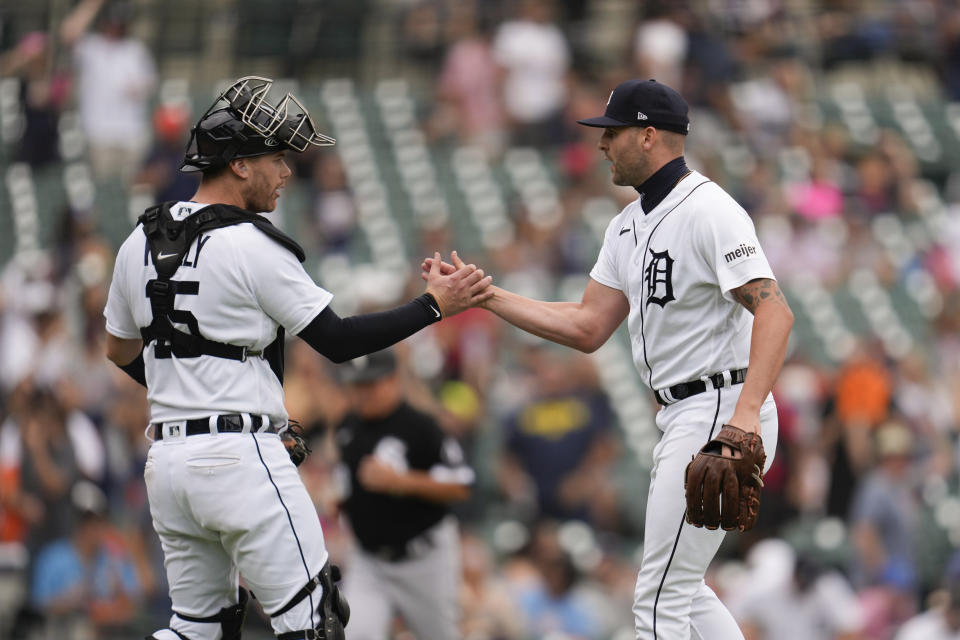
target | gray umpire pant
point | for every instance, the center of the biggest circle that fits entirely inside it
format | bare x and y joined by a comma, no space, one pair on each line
423,588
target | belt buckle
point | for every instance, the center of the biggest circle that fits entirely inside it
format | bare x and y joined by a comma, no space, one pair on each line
230,423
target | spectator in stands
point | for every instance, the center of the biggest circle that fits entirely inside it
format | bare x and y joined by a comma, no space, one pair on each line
942,620
711,66
48,465
885,513
86,578
846,36
421,31
468,89
549,598
488,612
559,444
949,62
124,418
43,92
115,81
790,595
884,179
863,389
660,43
820,196
536,57
334,213
161,170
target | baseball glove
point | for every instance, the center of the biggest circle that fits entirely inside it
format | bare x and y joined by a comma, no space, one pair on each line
296,443
723,490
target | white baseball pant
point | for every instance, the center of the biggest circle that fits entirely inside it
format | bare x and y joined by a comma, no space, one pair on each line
672,601
233,503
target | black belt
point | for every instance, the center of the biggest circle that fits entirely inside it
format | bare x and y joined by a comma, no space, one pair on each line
227,423
684,390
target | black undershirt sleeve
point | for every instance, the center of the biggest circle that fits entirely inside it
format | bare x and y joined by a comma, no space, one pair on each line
135,369
342,339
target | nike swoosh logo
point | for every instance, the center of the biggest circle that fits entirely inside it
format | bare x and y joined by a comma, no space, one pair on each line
436,311
164,256
623,231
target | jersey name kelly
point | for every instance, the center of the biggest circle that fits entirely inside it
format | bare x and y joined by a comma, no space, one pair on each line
244,286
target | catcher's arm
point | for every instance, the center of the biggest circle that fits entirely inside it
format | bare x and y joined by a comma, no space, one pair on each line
127,354
583,325
772,321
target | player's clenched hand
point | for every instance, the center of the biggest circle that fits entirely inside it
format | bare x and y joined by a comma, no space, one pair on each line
445,267
455,287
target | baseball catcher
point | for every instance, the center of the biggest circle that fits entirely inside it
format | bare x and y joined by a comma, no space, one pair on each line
204,292
724,480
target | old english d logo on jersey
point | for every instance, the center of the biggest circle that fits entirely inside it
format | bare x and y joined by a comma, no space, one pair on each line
659,278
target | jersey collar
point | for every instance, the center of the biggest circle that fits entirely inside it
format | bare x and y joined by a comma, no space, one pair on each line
656,187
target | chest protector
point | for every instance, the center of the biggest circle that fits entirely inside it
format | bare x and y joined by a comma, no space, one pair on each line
169,240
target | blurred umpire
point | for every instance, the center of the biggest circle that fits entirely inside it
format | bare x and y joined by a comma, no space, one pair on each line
399,472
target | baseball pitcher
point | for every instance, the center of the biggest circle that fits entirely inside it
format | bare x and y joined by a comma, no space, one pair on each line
708,326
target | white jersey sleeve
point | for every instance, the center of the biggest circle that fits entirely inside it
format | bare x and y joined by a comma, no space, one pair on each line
118,311
605,271
280,284
728,242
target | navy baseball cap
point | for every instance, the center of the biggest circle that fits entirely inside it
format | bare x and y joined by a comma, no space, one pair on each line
644,103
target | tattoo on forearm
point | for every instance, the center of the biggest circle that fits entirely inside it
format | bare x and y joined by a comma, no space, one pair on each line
760,290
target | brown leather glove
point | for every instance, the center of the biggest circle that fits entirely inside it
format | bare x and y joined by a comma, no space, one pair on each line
722,490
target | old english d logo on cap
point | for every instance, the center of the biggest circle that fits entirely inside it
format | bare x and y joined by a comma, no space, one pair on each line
643,103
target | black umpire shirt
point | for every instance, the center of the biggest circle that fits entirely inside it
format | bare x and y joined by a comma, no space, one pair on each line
383,523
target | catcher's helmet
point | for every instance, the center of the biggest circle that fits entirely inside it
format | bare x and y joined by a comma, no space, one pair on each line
240,124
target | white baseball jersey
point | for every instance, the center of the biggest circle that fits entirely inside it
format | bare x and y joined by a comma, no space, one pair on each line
249,285
671,263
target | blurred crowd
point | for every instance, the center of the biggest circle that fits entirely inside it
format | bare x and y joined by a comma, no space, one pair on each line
861,512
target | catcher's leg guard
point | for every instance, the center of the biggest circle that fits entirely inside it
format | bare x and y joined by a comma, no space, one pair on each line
230,618
333,608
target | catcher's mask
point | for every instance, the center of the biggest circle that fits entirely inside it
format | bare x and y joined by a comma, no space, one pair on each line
241,124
